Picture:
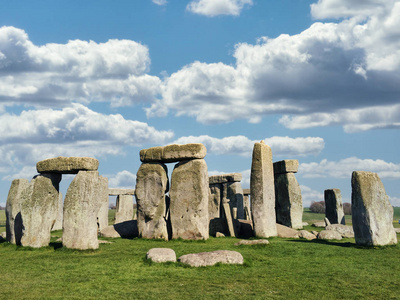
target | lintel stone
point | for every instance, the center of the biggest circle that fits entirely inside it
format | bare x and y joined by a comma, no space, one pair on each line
173,153
286,166
67,165
117,192
224,178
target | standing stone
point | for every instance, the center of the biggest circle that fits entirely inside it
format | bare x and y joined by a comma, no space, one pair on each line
214,204
151,186
39,209
246,204
235,196
288,201
102,217
59,220
189,200
13,211
334,206
372,213
124,209
262,190
81,207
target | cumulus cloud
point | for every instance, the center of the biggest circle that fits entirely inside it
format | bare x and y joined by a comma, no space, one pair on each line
309,195
241,145
160,2
82,71
344,168
395,201
123,180
212,8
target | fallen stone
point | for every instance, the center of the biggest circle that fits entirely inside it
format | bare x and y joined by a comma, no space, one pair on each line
189,196
319,224
327,223
173,153
151,186
305,224
306,235
161,255
126,230
205,259
286,232
219,234
262,191
67,165
372,213
252,242
334,206
329,235
104,242
117,192
314,232
286,166
345,231
224,178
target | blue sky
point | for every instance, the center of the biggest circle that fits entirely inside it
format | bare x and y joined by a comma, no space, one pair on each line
317,80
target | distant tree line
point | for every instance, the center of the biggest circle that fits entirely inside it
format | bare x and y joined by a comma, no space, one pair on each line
319,207
2,207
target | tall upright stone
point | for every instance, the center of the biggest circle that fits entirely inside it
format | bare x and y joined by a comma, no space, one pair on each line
102,217
189,195
81,206
124,209
59,220
13,211
39,209
246,204
288,199
334,206
262,191
372,213
151,187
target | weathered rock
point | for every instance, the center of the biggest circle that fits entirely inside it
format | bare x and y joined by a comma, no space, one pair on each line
104,242
124,209
204,259
288,201
151,186
173,153
235,196
189,200
334,206
329,235
397,230
39,209
262,191
327,223
286,232
81,206
229,219
286,166
67,165
224,178
127,229
59,219
305,224
314,232
102,216
252,242
219,234
246,192
306,235
13,211
214,203
246,204
160,255
372,213
345,231
319,224
117,192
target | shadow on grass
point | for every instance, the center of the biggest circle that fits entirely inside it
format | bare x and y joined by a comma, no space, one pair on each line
342,244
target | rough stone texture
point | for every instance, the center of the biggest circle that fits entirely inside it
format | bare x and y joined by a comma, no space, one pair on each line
13,211
124,209
246,192
219,234
189,200
305,224
262,191
59,220
214,202
127,229
246,207
327,223
160,255
204,259
397,230
229,219
235,196
151,186
288,201
39,209
173,153
117,192
372,213
319,224
252,242
67,165
81,207
334,206
286,232
329,235
286,166
102,217
345,231
224,178
307,235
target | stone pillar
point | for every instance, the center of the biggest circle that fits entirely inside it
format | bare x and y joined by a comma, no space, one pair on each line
372,213
288,200
246,204
81,207
59,220
102,217
334,206
189,200
151,187
262,191
39,209
124,209
13,211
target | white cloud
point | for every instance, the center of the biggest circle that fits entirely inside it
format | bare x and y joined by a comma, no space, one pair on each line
241,145
160,2
123,179
345,167
309,195
395,201
212,8
82,71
